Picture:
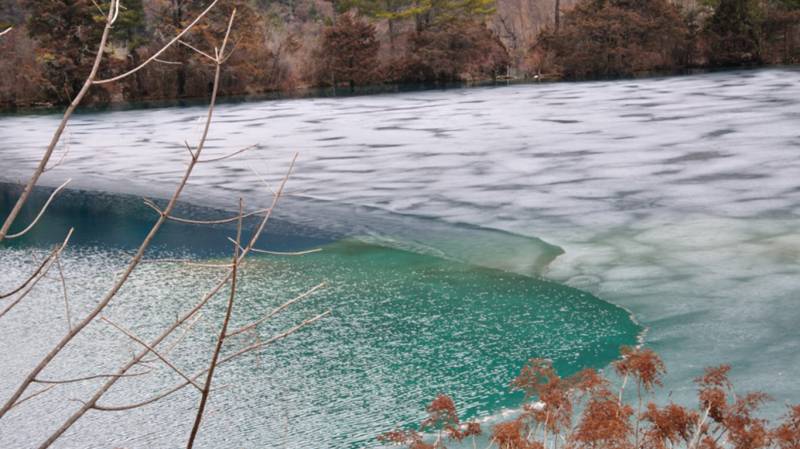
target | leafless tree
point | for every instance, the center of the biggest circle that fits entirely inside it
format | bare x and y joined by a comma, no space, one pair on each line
190,316
91,80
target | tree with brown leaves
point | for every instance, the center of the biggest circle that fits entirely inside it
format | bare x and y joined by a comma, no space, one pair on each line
349,53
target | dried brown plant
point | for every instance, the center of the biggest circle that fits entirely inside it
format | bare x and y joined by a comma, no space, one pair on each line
606,421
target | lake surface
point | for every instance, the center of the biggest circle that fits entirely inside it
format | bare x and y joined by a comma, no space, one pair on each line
676,198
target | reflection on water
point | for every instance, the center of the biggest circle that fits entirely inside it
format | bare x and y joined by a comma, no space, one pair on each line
405,327
677,198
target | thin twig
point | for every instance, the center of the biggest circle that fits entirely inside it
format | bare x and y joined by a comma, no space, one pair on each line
696,437
233,50
41,212
285,253
98,8
33,276
166,361
33,395
180,338
153,206
6,31
68,316
92,402
84,379
189,263
262,179
48,264
276,311
40,168
162,50
275,338
162,61
61,159
201,52
189,148
178,387
225,322
44,362
228,156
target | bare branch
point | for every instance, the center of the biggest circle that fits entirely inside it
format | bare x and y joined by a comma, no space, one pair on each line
92,402
102,13
225,322
233,50
68,316
201,52
262,179
162,50
189,148
189,263
61,159
285,253
274,338
153,206
37,173
84,379
41,212
64,341
163,61
180,338
33,395
33,276
228,156
166,361
227,35
31,282
178,387
276,311
115,7
221,221
6,31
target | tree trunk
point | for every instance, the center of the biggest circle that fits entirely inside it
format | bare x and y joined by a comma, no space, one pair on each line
177,20
558,14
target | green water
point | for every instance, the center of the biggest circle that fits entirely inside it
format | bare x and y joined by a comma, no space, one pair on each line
404,327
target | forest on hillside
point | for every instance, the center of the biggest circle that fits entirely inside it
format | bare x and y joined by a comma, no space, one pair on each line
282,45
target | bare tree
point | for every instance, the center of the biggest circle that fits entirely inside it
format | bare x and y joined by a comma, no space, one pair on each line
91,80
190,316
113,13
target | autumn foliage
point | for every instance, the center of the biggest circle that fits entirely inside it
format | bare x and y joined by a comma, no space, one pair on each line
457,51
612,38
349,53
290,45
588,411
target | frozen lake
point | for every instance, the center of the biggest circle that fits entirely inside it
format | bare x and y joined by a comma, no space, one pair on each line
676,198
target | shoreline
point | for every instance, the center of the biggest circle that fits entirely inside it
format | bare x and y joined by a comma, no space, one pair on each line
310,92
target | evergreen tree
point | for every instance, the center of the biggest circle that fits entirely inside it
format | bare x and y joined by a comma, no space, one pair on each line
733,34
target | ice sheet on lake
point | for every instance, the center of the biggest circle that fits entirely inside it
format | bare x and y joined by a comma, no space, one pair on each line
677,198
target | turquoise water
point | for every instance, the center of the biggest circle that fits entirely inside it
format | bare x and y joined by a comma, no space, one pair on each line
675,198
404,327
